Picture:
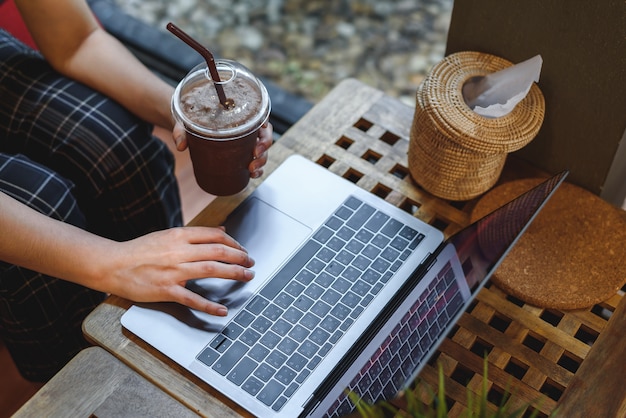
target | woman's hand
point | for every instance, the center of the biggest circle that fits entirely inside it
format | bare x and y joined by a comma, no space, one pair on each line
157,266
264,142
152,268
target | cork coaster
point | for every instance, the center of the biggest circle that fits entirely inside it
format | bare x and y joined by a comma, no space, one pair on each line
572,256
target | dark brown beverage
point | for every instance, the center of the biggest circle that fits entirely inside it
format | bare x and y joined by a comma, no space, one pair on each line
221,140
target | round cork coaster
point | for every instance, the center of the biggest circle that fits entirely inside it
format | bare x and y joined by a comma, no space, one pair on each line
572,256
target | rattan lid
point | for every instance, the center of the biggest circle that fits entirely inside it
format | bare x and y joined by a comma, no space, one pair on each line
441,97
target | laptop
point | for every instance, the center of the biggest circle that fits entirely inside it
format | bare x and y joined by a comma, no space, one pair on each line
351,294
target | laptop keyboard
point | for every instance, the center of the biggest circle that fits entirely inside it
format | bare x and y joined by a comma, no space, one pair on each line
406,346
272,345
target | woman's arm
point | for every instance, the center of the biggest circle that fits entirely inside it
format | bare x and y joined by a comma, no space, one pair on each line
70,38
151,268
72,41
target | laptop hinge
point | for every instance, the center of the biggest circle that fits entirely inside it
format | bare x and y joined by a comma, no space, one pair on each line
310,405
424,260
430,262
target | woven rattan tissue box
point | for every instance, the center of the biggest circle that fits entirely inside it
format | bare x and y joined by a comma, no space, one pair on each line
455,153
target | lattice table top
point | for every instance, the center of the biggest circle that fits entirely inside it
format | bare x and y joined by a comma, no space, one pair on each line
569,359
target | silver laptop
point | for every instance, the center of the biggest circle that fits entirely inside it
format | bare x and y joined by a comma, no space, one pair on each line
351,294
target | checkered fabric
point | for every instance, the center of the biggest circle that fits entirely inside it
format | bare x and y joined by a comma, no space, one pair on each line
76,156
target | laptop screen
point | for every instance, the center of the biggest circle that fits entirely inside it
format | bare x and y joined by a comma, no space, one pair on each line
481,246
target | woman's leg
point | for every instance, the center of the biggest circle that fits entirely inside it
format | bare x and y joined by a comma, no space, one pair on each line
124,177
41,316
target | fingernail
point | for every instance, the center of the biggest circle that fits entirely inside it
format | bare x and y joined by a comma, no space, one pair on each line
222,311
249,274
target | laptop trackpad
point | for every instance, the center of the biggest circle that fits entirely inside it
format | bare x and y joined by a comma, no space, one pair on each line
269,235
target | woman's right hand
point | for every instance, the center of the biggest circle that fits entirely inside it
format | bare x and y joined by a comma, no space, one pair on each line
157,266
151,268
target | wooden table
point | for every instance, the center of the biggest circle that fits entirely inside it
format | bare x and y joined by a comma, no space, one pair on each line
573,360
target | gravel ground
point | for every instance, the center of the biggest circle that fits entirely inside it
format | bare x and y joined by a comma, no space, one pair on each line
308,46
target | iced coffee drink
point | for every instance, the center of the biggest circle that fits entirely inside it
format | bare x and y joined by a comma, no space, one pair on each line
221,138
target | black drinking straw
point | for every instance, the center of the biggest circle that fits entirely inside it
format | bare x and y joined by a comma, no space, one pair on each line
208,57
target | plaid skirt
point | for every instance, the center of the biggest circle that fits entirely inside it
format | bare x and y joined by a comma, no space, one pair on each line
78,157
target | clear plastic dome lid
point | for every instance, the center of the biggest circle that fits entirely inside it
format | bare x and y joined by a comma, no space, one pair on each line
197,106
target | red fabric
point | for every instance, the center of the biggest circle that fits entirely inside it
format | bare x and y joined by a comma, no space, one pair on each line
11,20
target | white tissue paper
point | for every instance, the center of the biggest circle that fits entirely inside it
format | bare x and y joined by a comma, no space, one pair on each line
497,94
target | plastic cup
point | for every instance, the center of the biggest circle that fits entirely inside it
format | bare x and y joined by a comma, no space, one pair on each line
221,140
